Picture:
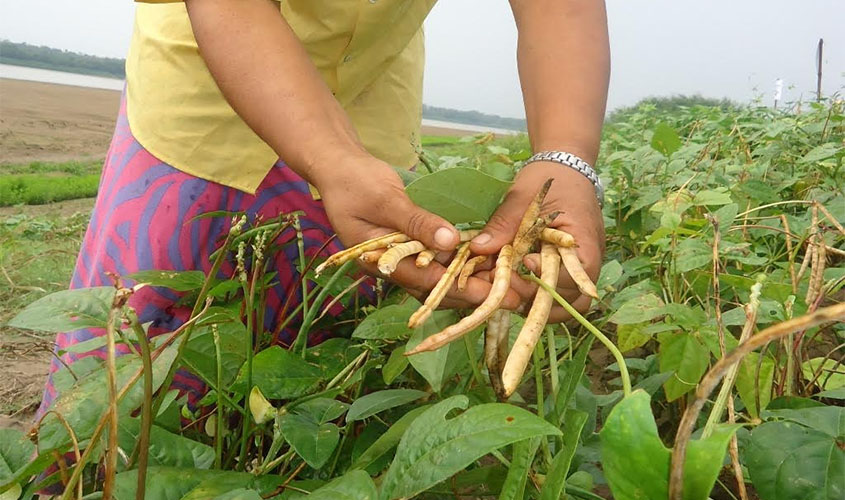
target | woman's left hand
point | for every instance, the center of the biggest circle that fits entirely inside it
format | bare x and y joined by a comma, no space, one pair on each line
574,196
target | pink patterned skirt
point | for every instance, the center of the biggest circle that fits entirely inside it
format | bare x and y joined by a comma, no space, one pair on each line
143,219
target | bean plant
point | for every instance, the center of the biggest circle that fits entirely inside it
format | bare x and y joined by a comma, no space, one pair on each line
709,367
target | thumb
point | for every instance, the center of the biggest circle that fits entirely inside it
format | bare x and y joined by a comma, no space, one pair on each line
433,231
503,224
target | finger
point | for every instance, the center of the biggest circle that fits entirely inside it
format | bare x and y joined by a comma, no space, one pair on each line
502,226
434,231
559,314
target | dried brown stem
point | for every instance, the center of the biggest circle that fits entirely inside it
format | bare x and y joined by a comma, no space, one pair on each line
712,378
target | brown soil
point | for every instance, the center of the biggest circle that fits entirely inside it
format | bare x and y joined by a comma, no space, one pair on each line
48,122
25,359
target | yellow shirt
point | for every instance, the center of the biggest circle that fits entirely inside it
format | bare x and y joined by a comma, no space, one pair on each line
369,52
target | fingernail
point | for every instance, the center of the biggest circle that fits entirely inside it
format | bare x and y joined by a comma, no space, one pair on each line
532,264
444,237
482,239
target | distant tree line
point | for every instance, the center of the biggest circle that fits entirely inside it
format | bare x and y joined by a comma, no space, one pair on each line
670,104
34,56
472,118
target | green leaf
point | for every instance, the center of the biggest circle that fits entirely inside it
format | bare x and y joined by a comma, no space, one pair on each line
15,452
83,405
632,336
333,355
388,440
67,310
369,405
523,457
791,460
746,385
239,494
279,374
686,357
183,483
498,170
692,254
571,372
354,485
639,309
438,366
166,448
201,353
181,281
712,197
556,478
394,366
458,194
387,323
636,463
823,152
308,431
610,274
665,140
433,448
832,376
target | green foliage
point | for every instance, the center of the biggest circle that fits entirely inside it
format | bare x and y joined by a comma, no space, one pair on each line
459,195
36,189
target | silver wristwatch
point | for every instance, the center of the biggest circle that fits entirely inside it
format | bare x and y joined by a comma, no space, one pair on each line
574,162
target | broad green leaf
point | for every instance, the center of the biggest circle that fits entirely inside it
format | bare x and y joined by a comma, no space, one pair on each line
686,357
67,310
407,176
712,197
202,355
439,366
166,448
433,448
311,436
631,336
239,494
726,215
333,355
610,274
387,323
185,483
354,485
83,405
369,405
831,377
388,440
458,194
822,152
89,345
279,374
556,478
498,170
690,318
665,140
322,410
15,452
571,372
181,281
789,460
523,456
645,307
746,385
636,463
394,366
692,254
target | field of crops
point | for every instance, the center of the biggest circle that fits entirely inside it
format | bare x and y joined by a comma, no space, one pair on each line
710,367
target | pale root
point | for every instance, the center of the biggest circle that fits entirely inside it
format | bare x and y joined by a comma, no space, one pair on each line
388,262
536,320
424,258
354,252
501,284
440,289
371,257
557,237
576,271
468,269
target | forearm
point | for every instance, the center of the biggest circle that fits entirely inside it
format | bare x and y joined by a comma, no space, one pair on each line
265,74
564,66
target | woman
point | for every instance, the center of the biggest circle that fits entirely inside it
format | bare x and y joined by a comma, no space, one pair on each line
241,104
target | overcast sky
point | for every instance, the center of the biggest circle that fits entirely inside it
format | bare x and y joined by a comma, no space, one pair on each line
718,48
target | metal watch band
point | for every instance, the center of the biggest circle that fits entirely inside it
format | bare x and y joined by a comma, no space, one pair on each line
574,162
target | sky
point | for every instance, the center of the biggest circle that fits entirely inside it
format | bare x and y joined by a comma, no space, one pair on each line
716,48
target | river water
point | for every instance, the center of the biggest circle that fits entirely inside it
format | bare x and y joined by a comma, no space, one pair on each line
98,82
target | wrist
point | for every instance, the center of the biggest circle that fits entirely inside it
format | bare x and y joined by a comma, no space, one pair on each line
574,163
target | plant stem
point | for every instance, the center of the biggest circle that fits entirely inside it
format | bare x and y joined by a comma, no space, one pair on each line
301,342
541,403
712,378
473,362
143,446
623,368
218,431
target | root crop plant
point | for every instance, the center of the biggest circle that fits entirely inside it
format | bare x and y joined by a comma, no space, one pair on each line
718,314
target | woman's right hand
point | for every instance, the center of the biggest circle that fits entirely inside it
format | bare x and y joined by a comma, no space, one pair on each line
365,198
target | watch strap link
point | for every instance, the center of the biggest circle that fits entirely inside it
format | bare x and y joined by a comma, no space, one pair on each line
574,162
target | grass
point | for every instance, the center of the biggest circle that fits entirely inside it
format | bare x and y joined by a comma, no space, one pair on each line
38,183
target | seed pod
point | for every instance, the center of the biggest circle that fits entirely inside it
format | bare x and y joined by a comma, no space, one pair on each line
388,262
468,269
440,289
354,252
